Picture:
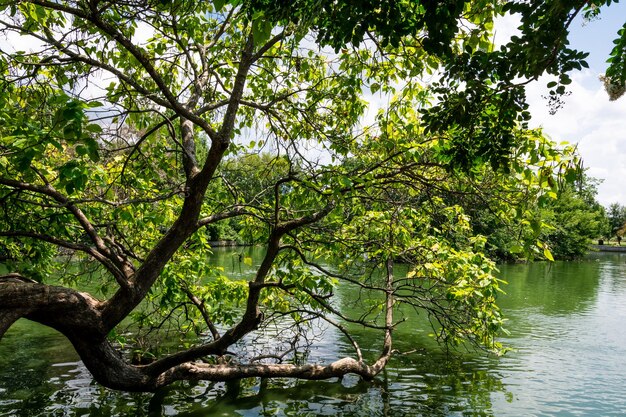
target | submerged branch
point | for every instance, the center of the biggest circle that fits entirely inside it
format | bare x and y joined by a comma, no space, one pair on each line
221,372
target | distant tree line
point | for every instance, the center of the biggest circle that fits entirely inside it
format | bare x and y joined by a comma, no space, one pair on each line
562,225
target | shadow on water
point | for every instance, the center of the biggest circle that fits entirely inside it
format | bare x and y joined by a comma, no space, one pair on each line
393,394
42,377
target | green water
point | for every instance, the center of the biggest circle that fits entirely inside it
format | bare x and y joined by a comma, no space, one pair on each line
568,331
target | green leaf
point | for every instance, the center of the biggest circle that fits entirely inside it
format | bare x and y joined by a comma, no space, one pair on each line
93,128
219,4
548,254
346,182
261,30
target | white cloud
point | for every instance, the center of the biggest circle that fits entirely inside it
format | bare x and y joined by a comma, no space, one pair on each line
595,123
587,118
11,42
505,27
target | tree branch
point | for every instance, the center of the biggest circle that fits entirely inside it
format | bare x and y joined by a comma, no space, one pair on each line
95,17
239,210
120,278
206,372
123,269
10,316
205,314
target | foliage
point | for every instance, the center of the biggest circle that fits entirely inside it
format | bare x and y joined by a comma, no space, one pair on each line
616,214
575,218
615,77
562,224
133,152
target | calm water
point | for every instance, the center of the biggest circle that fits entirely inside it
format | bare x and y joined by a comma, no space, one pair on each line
568,331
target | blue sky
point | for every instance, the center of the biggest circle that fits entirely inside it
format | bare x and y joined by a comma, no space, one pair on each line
588,117
596,36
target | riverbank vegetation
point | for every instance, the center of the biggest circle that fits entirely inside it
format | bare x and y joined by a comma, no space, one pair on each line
134,132
569,220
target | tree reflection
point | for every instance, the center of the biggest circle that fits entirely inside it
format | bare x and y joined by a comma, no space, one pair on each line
556,288
414,386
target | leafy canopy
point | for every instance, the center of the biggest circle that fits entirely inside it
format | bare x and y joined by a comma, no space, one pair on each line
133,127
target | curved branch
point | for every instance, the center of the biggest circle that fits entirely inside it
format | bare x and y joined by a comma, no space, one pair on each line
60,198
105,261
58,307
203,311
122,269
236,211
8,317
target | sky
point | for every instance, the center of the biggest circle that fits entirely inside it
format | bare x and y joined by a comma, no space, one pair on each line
588,118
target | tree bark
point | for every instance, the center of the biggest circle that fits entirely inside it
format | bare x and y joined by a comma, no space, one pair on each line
77,316
206,372
8,317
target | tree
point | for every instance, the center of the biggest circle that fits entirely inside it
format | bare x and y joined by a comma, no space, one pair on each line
111,152
575,218
564,223
616,214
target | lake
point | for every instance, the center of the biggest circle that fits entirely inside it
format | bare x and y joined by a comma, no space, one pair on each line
567,323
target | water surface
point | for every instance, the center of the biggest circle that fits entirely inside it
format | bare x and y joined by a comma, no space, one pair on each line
568,333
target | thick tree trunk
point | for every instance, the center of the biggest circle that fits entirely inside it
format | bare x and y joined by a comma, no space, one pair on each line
77,316
8,317
69,311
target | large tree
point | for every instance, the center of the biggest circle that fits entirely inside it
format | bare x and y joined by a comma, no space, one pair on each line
117,120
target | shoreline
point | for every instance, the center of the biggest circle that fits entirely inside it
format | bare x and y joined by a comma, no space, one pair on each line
607,248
